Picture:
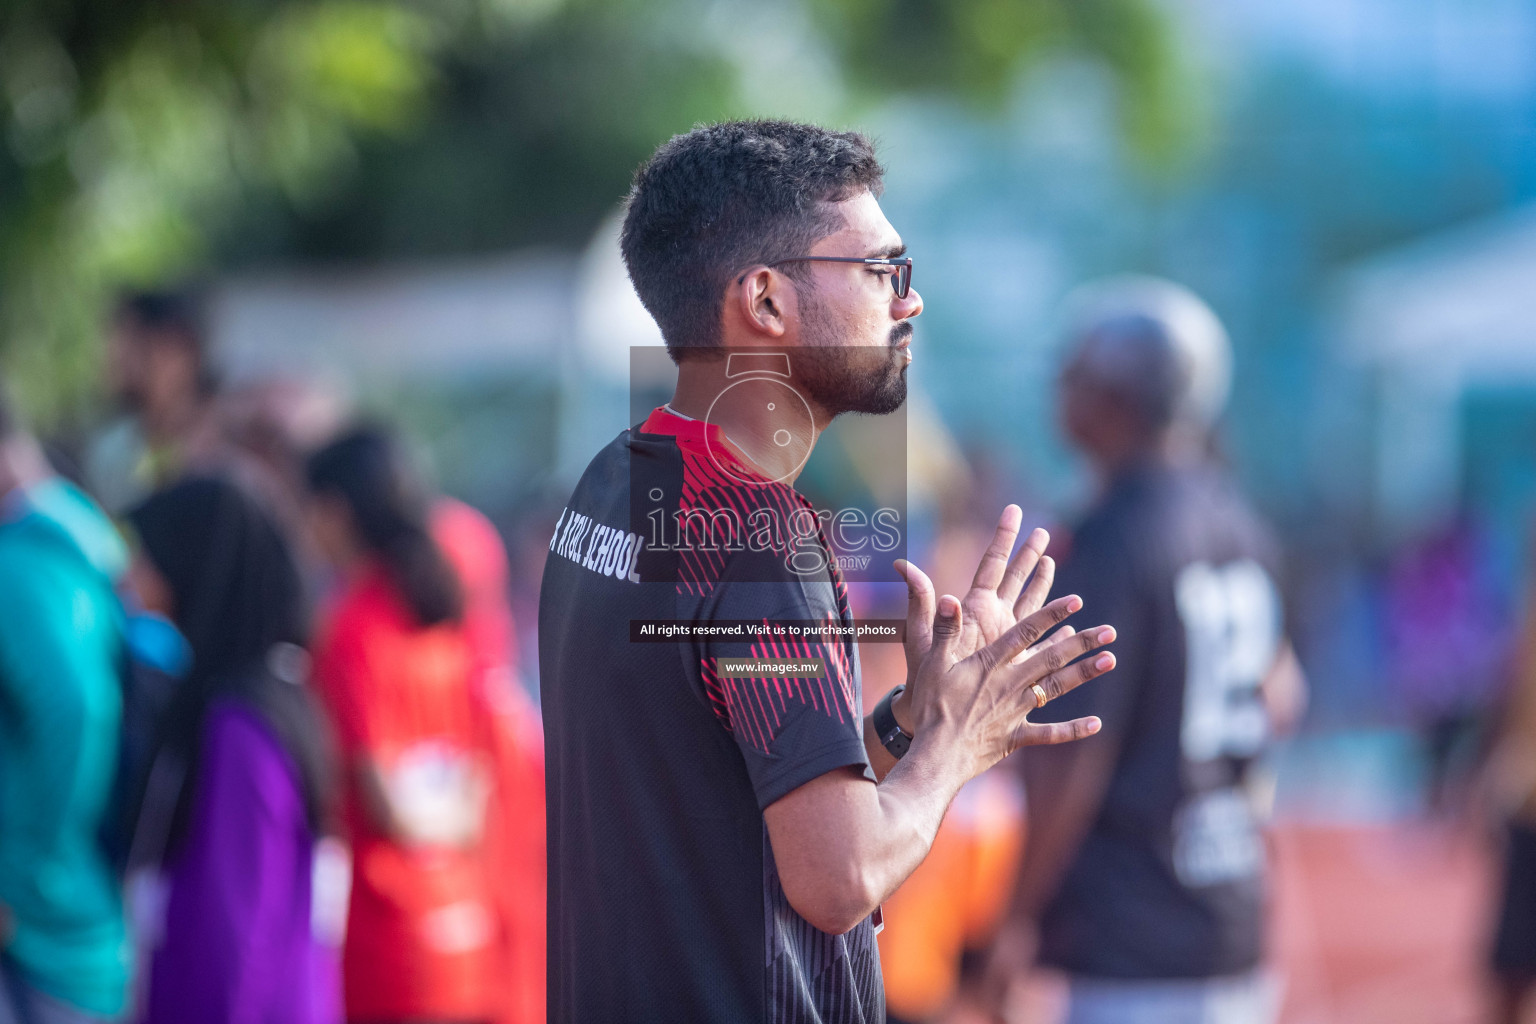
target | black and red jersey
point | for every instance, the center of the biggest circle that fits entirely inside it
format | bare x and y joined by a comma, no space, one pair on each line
664,902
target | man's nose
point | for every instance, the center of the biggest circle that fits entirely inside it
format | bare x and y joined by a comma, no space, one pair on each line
909,307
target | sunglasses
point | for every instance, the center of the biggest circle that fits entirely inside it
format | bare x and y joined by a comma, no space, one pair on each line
901,278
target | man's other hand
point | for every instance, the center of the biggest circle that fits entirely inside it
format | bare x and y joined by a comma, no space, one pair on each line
982,700
1003,591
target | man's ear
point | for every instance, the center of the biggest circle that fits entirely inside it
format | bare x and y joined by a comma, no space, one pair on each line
763,302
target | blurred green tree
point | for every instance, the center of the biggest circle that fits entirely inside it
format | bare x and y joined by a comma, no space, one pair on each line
976,49
133,128
145,141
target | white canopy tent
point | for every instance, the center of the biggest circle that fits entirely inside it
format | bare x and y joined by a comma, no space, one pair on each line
1431,321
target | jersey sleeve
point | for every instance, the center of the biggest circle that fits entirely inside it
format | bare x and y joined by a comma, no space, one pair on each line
790,729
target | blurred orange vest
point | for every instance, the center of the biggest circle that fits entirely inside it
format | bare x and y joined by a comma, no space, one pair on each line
955,899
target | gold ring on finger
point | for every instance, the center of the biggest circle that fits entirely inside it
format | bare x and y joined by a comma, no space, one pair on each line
1040,697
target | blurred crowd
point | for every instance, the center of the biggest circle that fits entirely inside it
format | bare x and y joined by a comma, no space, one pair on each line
265,753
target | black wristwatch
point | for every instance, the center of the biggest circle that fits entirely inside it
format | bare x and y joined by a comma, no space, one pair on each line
892,736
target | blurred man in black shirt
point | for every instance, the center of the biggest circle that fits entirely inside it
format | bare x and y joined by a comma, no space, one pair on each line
1144,874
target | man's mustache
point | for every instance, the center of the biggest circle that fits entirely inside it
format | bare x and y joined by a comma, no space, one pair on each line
901,332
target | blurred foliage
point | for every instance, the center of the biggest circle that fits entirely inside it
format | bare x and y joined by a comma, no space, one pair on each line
977,48
146,140
532,141
134,127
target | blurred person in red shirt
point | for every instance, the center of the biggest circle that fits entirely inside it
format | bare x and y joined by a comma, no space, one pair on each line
397,665
515,818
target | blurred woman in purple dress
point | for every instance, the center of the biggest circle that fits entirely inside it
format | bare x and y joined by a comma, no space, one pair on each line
239,790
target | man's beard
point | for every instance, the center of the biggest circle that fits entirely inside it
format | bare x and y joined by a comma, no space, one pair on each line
852,378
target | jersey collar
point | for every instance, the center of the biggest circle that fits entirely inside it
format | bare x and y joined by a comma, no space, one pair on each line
699,436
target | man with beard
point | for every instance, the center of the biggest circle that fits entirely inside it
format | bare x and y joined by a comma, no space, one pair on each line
719,841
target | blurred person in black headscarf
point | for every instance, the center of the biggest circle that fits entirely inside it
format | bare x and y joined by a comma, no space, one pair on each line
239,791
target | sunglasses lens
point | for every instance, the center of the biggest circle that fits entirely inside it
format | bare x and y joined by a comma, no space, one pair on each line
902,280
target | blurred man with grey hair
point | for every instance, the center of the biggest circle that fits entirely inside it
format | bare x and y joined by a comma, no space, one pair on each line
1143,877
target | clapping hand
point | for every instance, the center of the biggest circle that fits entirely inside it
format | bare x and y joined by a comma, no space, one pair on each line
1003,591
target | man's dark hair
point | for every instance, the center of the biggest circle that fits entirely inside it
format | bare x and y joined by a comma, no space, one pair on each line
728,196
171,311
178,315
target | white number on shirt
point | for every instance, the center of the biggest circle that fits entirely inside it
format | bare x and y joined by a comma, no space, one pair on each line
1231,619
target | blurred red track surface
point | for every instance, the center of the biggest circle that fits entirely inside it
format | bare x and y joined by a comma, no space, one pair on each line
1372,924
1382,924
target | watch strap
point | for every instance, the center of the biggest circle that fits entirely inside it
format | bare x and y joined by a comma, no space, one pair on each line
892,736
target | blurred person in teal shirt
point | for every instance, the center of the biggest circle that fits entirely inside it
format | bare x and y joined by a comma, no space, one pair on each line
64,951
